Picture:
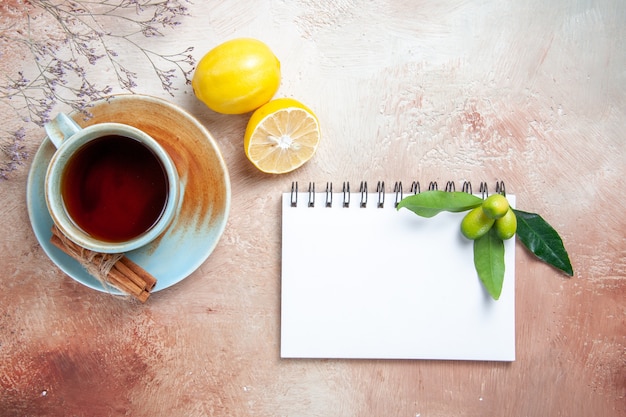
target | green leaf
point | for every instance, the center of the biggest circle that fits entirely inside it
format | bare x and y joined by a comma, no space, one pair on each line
489,262
431,203
542,240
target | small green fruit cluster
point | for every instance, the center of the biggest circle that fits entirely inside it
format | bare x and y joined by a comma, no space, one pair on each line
494,212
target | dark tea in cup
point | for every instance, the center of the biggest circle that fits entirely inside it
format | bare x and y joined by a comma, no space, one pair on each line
109,187
114,188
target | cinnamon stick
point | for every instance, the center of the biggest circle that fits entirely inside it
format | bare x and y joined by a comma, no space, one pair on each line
149,279
125,274
122,269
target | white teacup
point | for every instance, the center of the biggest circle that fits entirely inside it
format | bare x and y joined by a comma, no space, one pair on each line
109,187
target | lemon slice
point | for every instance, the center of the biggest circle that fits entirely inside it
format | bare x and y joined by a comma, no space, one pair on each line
281,136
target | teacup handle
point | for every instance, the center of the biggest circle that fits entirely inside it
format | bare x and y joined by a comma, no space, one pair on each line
61,128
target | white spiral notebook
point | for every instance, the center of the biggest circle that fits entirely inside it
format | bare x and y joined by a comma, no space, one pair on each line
361,279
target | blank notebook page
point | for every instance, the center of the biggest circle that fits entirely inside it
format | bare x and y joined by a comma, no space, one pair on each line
384,283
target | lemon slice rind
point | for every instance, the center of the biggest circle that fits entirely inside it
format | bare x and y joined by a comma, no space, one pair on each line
283,140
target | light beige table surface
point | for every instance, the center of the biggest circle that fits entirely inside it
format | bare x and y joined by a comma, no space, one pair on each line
532,93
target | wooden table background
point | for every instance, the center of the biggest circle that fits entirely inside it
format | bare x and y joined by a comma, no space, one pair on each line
529,92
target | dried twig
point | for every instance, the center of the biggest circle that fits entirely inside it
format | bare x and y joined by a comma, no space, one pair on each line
80,37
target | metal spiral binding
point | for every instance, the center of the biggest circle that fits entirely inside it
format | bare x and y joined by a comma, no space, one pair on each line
380,192
294,194
329,194
397,189
311,194
500,189
363,191
484,190
380,189
467,187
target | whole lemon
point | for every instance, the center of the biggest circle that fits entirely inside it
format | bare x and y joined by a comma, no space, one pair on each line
496,206
476,223
237,77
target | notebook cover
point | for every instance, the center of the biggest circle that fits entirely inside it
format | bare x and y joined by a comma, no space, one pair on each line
385,283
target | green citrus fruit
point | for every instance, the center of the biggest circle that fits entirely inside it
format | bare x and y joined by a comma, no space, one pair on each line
495,206
506,226
476,223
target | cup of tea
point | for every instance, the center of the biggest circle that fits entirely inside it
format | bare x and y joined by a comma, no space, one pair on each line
109,187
